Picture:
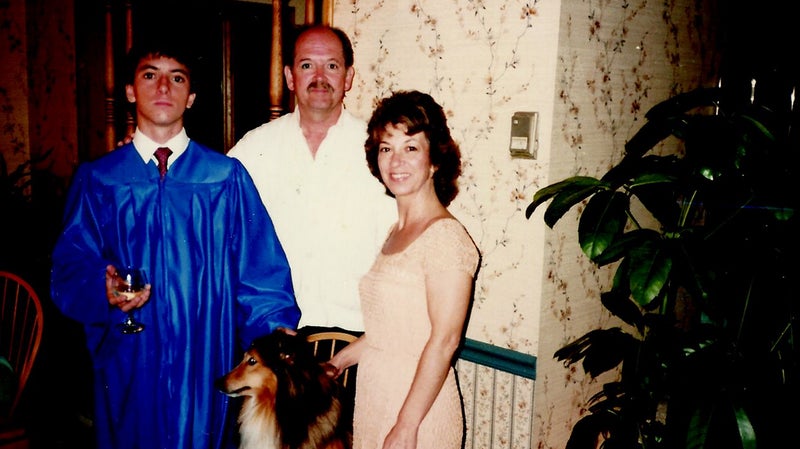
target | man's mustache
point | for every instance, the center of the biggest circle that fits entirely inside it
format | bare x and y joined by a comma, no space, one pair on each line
320,85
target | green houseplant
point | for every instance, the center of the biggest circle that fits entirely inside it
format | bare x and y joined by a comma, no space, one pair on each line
699,223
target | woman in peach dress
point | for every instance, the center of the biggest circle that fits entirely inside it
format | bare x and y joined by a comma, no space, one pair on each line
417,294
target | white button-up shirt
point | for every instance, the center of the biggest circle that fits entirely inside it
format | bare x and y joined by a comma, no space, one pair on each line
330,213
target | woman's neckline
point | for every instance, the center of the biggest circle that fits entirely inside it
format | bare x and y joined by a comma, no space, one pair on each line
422,232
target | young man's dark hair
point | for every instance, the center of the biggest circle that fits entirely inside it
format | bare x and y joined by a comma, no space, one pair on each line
176,49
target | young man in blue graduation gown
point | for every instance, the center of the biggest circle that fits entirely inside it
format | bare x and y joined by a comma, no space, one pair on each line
218,274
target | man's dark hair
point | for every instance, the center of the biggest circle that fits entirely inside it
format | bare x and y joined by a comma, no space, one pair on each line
166,47
347,46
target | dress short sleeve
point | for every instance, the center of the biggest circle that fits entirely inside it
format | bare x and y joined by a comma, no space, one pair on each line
449,246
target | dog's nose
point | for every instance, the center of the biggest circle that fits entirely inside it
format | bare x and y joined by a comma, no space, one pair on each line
219,384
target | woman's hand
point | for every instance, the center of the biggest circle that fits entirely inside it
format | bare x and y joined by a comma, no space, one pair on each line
125,140
331,370
401,437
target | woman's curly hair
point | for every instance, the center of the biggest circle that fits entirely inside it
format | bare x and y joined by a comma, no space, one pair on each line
417,112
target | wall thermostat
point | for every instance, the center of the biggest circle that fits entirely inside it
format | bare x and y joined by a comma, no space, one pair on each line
524,140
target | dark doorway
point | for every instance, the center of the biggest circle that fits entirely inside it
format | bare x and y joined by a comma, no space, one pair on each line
219,32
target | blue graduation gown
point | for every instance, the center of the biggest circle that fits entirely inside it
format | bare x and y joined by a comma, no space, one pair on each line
219,279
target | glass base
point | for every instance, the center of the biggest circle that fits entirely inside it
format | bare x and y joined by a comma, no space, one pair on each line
130,326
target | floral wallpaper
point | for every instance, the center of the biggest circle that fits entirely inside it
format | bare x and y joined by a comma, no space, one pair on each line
14,145
32,114
591,69
53,67
482,61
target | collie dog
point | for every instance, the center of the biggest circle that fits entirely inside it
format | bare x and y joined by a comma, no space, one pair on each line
290,402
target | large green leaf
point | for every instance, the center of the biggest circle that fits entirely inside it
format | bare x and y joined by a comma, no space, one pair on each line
707,417
616,430
624,244
619,303
697,433
545,194
650,134
602,222
648,179
630,168
684,102
660,194
746,432
650,267
576,183
565,195
600,349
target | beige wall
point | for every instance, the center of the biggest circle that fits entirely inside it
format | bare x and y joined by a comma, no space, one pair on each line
591,69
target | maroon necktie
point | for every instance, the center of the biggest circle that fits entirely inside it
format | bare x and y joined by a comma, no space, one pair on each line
162,154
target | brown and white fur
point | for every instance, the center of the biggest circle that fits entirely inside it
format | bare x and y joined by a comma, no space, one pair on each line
289,400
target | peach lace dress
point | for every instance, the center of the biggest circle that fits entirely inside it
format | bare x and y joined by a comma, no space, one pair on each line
393,301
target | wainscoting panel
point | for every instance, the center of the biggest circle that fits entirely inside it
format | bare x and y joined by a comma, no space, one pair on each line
497,388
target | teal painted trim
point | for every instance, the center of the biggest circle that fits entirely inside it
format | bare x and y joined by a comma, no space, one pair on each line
503,359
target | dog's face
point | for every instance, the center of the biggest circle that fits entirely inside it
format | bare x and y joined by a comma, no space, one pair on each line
269,358
289,400
251,377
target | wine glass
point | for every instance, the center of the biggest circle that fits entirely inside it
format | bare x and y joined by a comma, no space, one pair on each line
129,282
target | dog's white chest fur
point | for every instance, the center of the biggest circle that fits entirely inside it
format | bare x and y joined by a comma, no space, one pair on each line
258,429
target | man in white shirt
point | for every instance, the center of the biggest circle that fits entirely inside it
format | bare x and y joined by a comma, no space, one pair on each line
331,215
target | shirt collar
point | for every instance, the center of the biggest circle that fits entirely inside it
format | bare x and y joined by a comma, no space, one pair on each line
146,146
338,120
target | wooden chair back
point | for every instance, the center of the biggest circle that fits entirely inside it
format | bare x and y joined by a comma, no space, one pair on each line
326,344
21,325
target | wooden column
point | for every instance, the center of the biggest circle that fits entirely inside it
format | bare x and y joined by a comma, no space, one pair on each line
327,12
310,11
110,79
276,63
110,133
130,124
227,88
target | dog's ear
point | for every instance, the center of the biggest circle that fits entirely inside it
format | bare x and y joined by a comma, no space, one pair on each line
287,357
286,346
